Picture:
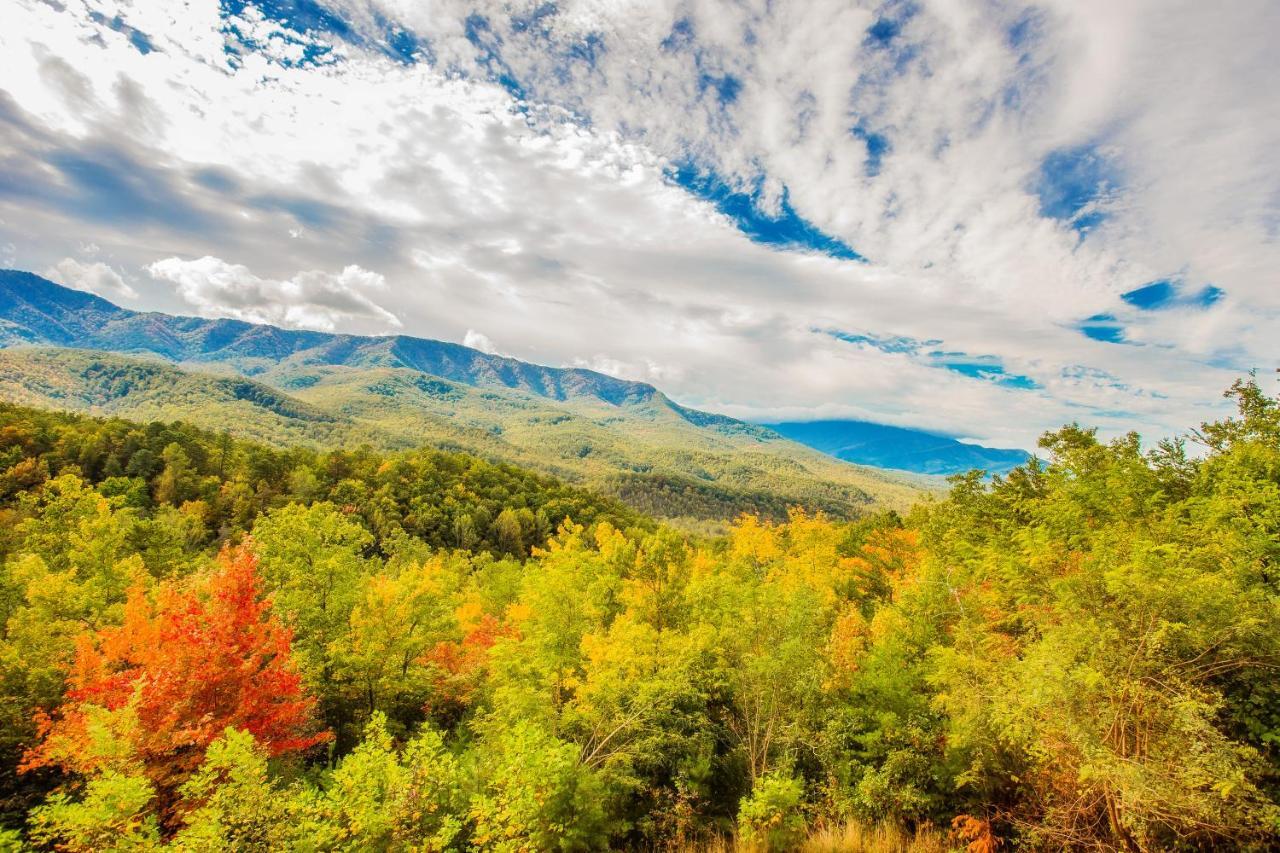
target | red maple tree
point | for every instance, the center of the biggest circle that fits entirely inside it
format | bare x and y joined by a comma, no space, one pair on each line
191,665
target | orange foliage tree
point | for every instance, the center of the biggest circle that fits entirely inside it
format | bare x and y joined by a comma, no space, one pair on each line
461,667
187,667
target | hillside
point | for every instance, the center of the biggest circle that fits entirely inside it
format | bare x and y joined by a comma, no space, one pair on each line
881,446
105,384
34,310
649,454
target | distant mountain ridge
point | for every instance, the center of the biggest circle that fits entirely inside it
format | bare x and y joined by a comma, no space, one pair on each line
900,448
34,310
69,350
37,312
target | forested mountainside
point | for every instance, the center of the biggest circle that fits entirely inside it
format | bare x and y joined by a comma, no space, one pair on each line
212,644
102,383
34,310
648,457
899,448
621,438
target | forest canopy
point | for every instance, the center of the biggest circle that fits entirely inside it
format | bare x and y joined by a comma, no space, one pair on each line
206,644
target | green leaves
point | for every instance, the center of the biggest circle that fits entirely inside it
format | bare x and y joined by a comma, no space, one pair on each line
311,559
535,795
1098,624
1081,654
232,803
113,815
772,817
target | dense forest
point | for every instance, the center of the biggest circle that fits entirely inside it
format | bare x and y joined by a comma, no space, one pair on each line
208,644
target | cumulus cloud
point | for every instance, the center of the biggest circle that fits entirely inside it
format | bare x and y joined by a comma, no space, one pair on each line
97,278
309,300
479,341
1007,170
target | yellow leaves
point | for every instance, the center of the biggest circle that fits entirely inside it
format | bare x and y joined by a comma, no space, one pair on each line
610,541
799,555
569,538
41,586
469,613
849,639
811,536
519,613
885,624
751,540
703,565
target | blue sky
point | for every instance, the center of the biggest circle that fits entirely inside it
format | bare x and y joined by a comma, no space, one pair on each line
982,218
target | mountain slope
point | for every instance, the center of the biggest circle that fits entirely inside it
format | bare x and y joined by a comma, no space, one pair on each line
626,439
35,310
105,384
904,449
651,454
648,456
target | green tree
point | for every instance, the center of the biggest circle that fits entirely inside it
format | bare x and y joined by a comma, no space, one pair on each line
771,818
378,799
177,481
112,815
535,795
231,803
399,614
311,558
508,533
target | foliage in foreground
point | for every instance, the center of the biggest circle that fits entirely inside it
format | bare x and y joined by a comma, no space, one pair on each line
1079,655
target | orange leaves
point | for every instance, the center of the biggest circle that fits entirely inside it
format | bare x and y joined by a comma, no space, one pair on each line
461,666
975,833
186,667
887,563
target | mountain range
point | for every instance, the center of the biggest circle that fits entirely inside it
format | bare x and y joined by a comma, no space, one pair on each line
34,310
71,350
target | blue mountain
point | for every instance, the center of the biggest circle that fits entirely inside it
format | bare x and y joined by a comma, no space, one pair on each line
881,446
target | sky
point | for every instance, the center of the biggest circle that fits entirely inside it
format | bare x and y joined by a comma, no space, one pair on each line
982,218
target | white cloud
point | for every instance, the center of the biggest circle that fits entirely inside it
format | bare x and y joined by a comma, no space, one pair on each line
309,300
96,278
476,340
559,236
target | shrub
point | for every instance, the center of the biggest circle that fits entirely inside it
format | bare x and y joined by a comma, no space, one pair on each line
771,817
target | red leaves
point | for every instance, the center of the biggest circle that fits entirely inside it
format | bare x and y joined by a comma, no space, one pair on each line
461,666
190,666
